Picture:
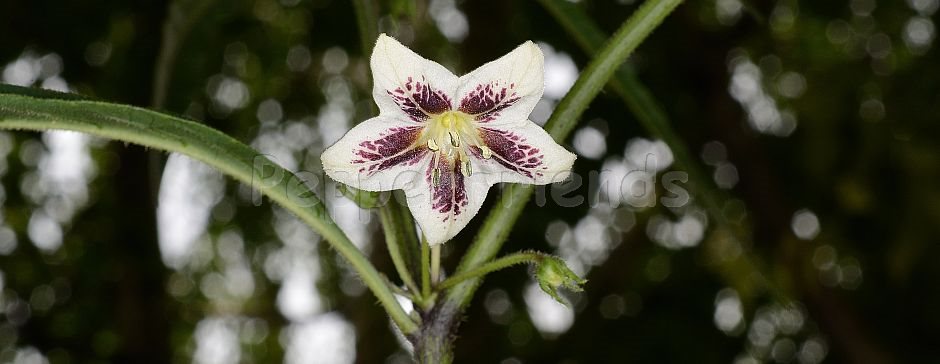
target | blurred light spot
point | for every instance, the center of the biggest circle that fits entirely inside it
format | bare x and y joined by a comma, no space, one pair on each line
812,351
805,224
782,18
591,245
838,31
29,355
216,342
658,268
23,71
824,257
17,311
687,232
728,11
44,231
7,240
50,65
746,359
498,306
228,93
188,191
560,72
879,45
729,316
726,175
714,152
269,111
762,331
862,7
918,34
542,111
872,110
325,339
783,350
612,307
55,83
450,21
791,85
254,331
42,298
851,273
97,53
549,317
556,232
335,60
298,298
590,142
924,7
298,58
762,111
648,155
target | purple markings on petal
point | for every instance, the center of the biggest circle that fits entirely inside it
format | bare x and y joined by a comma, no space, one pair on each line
448,195
419,100
393,147
511,151
486,101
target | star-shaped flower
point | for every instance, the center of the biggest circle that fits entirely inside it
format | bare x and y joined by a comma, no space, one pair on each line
446,140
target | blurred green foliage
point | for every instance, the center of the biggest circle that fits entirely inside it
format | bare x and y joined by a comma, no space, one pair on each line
819,119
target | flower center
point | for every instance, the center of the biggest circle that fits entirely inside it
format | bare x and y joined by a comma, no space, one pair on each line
452,134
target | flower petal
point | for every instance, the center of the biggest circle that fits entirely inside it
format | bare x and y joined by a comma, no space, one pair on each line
523,154
379,154
406,85
505,90
443,202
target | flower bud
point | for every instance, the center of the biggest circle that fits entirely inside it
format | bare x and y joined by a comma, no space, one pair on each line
552,273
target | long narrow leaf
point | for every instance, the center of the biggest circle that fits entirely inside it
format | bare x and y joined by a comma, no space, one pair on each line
30,109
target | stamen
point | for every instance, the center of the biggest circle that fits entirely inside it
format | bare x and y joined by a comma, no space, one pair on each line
454,140
436,177
486,152
432,145
466,169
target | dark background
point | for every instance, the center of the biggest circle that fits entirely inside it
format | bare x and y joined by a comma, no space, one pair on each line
836,195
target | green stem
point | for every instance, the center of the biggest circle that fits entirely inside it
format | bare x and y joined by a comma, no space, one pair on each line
425,273
394,237
367,21
435,263
182,16
491,266
504,215
647,110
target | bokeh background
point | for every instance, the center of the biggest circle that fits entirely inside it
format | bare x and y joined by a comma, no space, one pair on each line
816,121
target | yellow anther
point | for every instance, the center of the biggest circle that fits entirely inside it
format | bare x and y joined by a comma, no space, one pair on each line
436,177
454,139
486,152
432,145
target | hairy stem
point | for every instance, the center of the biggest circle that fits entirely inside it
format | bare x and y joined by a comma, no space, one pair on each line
491,266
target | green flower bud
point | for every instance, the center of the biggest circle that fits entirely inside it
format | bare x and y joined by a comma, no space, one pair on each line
552,273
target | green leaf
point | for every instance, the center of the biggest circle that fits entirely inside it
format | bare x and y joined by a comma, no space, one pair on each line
31,109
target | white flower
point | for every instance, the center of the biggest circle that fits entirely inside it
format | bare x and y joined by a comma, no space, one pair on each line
446,140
